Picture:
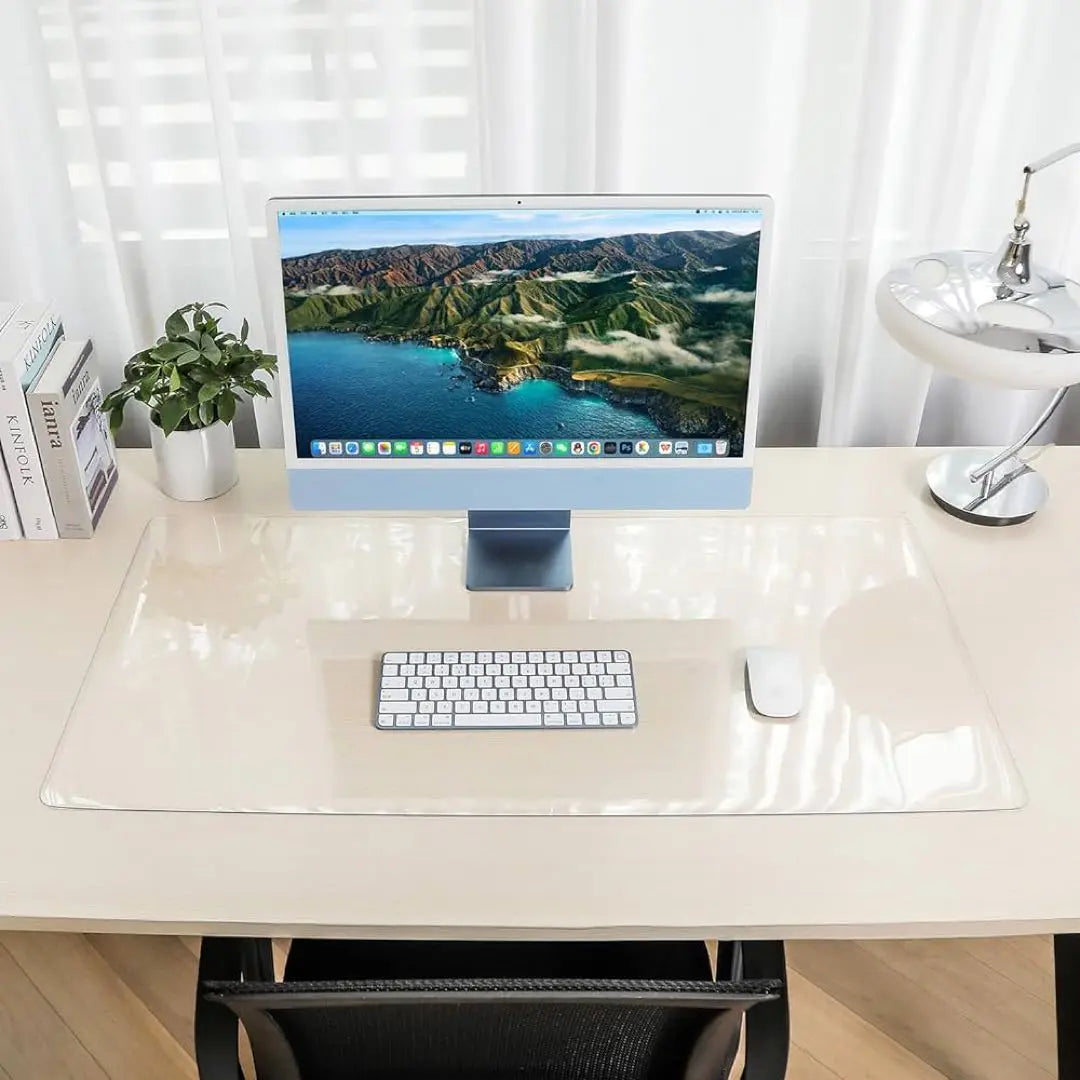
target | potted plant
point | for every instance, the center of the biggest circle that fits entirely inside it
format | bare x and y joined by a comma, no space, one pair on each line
192,379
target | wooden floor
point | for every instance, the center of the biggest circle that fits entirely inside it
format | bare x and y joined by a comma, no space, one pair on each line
76,1007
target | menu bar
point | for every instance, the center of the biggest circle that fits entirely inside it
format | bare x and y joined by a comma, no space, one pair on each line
515,448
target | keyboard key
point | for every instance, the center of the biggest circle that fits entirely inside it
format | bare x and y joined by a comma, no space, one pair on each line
542,693
588,680
406,669
627,719
576,693
427,706
552,657
501,681
444,707
422,721
472,695
395,682
485,683
586,657
459,669
532,706
623,680
618,669
535,657
450,658
579,669
523,693
596,669
603,657
570,657
467,682
431,681
594,693
614,692
442,721
498,706
515,706
403,721
621,656
568,706
562,669
493,669
453,694
606,680
467,658
592,719
519,680
518,657
483,658
416,658
537,680
384,720
551,706
506,694
394,658
397,707
574,719
523,720
424,669
442,669
609,719
618,706
502,658
554,720
433,658
526,669
395,695
560,693
390,669
545,669
417,695
437,694
488,695
480,707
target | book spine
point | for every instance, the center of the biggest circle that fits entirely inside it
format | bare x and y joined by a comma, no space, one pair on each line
52,426
10,528
18,445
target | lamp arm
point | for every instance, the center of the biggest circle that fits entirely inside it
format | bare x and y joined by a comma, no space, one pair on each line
1037,166
1009,451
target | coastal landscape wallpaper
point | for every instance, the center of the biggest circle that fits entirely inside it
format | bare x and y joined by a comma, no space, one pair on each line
519,324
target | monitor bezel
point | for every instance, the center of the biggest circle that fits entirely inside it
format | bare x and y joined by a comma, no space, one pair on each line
762,204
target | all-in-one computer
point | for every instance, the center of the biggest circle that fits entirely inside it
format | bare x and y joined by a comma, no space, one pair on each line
519,357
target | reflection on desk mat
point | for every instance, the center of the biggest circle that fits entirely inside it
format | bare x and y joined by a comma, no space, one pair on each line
237,672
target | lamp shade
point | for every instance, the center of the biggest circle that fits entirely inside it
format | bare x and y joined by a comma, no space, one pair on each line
952,310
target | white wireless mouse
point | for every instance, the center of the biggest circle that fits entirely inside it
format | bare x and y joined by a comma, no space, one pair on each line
774,679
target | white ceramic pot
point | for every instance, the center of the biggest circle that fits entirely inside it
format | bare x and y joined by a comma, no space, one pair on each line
195,465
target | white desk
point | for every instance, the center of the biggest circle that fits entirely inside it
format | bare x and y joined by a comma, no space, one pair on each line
1015,594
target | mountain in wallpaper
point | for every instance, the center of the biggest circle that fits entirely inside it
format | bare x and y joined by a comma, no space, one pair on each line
661,322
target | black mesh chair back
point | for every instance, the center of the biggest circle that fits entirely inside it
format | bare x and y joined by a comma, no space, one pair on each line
487,1011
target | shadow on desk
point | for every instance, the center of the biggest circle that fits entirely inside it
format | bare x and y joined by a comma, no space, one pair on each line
391,1010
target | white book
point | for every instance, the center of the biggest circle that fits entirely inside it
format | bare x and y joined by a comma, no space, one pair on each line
73,438
10,529
26,343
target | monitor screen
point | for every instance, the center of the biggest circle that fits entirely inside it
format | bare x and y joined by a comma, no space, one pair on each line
579,334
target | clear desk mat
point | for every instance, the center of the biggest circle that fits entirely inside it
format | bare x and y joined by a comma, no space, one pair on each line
237,673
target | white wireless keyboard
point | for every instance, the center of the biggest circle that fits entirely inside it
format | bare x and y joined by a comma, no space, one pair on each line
565,688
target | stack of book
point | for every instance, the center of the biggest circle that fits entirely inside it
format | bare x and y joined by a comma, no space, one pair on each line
57,457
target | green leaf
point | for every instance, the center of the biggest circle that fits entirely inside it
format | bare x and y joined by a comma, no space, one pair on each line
116,418
188,357
170,413
193,416
244,330
226,407
208,347
209,391
176,324
147,384
206,413
175,382
171,350
193,337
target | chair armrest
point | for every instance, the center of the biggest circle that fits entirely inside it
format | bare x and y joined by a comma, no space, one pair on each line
216,1026
768,1027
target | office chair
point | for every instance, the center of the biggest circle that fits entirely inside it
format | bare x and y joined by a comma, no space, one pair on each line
403,1010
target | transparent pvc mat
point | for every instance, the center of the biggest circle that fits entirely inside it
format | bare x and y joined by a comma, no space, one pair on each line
237,669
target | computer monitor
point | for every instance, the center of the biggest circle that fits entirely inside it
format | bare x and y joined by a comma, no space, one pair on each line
520,357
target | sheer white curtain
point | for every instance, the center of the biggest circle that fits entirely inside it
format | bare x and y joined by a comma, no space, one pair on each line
145,136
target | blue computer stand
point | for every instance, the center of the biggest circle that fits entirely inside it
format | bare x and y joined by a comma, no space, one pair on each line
519,550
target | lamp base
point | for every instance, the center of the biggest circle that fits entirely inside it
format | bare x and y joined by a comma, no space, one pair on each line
1010,494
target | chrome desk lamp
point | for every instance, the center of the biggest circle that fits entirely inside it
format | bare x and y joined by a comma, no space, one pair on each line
1000,318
